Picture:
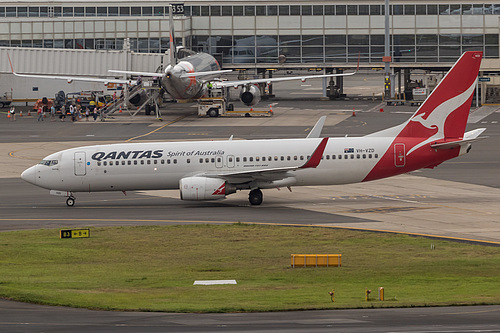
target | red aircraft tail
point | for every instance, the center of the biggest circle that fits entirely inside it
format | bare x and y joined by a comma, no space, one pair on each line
435,132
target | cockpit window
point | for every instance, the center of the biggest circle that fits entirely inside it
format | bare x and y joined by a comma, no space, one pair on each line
49,162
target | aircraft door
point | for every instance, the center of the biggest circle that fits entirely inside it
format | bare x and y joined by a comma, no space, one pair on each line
218,161
80,161
399,155
230,161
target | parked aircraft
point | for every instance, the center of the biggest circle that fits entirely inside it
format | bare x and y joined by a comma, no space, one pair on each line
211,170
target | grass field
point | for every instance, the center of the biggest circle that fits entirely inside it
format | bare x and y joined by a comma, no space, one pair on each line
152,268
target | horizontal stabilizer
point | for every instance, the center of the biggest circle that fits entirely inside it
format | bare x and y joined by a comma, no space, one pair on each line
152,74
469,137
196,74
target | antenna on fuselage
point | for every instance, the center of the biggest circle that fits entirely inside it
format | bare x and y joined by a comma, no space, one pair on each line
173,49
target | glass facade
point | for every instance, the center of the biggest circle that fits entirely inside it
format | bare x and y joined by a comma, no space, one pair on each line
302,33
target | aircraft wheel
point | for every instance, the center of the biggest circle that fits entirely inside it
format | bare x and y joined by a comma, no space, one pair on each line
70,201
255,197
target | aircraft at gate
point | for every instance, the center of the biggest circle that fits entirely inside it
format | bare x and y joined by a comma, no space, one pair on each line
186,78
211,170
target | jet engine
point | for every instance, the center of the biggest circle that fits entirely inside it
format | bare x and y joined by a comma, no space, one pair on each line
204,188
250,95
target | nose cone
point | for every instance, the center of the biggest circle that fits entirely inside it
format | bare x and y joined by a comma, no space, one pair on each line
29,175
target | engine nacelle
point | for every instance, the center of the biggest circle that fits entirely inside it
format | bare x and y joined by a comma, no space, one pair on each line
250,95
204,188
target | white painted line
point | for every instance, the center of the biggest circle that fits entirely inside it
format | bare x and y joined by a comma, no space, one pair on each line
213,282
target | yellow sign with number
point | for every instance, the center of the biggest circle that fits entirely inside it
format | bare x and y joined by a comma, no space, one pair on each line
76,233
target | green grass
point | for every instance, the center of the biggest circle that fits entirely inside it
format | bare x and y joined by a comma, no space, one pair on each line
153,268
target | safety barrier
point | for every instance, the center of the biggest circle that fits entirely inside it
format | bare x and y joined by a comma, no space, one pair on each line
315,260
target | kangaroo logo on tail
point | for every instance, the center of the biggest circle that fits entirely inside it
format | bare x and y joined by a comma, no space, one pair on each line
444,113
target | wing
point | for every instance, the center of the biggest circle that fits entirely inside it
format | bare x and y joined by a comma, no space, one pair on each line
153,74
277,79
70,79
270,174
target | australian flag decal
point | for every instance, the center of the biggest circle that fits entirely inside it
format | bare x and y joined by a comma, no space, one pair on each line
348,150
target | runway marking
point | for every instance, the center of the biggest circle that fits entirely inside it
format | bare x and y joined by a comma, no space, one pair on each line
159,128
470,240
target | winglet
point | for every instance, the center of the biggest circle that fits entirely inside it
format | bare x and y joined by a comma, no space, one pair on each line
316,131
315,158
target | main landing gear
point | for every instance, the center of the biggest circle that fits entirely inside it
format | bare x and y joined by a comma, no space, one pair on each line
70,201
255,197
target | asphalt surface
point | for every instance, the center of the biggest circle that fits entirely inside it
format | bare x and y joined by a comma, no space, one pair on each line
470,183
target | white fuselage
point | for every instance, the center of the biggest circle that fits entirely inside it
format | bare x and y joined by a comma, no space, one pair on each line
150,166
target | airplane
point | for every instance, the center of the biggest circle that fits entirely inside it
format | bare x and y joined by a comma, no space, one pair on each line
212,170
186,78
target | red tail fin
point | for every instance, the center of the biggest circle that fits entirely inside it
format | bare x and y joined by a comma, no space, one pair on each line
444,113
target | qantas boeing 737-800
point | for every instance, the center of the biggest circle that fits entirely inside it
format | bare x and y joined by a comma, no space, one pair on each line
210,170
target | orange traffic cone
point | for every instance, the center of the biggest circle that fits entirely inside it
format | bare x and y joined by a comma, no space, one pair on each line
21,113
381,110
353,112
8,114
120,110
271,109
29,113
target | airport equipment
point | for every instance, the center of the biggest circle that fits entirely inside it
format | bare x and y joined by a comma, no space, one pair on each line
316,260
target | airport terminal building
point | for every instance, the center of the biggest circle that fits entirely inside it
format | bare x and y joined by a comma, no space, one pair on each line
263,34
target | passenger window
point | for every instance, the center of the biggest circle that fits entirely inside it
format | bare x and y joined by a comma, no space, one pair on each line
168,161
162,161
257,158
123,162
244,159
105,163
230,159
340,157
189,160
142,161
135,162
364,156
237,159
282,158
301,157
358,156
129,162
201,160
352,156
219,159
376,155
369,155
327,157
207,160
288,158
98,163
148,161
275,158
295,158
250,159
175,161
213,160
155,161
333,157
263,158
